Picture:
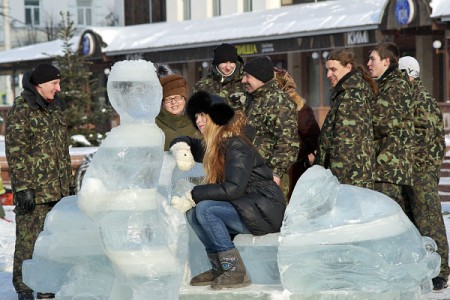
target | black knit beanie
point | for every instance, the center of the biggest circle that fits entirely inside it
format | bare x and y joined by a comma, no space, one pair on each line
261,68
224,53
213,105
45,73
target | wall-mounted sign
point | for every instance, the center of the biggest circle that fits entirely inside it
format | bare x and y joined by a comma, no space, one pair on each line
357,37
87,44
404,11
246,49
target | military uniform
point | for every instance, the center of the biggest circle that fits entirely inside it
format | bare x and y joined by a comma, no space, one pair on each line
346,139
423,196
393,125
273,115
37,152
228,87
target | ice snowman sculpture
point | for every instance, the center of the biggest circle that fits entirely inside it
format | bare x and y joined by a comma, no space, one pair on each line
119,191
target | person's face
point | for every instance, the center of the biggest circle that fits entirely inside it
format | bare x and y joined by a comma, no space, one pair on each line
227,68
250,83
377,66
335,71
174,104
200,121
49,89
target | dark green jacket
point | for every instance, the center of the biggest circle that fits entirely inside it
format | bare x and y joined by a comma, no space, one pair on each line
274,115
174,126
393,124
346,138
429,131
230,87
37,148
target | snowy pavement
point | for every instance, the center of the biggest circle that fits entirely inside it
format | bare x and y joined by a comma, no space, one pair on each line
7,237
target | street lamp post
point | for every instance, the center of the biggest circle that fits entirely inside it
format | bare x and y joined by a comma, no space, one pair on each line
437,45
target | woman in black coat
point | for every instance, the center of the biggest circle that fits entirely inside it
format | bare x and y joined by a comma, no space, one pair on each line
238,194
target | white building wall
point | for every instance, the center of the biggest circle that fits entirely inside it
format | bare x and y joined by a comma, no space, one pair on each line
265,4
174,10
231,6
201,9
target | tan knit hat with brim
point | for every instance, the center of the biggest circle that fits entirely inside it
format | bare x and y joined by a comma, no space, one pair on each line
174,85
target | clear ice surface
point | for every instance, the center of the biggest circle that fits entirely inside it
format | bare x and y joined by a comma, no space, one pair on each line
119,238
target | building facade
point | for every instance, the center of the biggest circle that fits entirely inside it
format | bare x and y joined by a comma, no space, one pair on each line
183,34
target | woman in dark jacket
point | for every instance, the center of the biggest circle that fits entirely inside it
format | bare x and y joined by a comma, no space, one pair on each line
238,194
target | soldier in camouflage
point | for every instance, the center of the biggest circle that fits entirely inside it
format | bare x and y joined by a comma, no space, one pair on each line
273,114
346,139
423,196
37,152
393,124
224,77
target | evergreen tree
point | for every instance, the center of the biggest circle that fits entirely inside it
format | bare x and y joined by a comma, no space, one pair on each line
78,89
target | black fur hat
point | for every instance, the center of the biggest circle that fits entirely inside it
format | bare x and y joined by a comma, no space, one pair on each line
213,105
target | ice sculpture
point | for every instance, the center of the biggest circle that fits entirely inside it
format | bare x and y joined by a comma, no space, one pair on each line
342,238
134,244
120,194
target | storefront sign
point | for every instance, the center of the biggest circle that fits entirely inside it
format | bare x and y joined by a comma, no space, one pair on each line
404,11
357,37
247,49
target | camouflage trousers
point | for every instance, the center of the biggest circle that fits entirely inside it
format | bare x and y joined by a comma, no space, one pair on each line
426,213
28,227
393,191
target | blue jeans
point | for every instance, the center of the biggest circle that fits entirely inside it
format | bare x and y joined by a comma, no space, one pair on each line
213,221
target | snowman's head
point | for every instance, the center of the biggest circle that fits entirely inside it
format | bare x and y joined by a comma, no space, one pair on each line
134,91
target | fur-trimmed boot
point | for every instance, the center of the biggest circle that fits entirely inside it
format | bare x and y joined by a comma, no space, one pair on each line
207,278
234,273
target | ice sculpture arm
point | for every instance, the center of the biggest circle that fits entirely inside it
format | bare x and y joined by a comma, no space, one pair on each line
239,159
197,148
183,203
181,151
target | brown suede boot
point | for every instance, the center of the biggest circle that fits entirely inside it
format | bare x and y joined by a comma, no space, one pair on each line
234,273
206,278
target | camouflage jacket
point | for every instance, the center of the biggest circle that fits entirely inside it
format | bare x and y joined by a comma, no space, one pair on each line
393,125
274,116
37,146
429,131
346,138
230,88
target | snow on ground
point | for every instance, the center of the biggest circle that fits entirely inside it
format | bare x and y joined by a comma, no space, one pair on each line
7,237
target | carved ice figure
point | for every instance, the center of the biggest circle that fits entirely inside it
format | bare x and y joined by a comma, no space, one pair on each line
119,191
341,239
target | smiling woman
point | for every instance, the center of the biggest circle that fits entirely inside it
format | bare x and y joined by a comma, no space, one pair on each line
171,118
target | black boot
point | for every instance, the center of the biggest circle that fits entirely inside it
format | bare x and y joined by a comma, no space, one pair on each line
234,273
439,284
206,278
27,295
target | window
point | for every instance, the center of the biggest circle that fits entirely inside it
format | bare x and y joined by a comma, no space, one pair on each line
248,5
187,9
84,12
216,8
32,15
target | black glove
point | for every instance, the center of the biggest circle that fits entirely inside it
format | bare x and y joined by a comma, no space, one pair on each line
72,190
25,200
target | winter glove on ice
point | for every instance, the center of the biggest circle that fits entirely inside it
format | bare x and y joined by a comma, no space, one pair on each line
72,190
181,151
183,203
25,200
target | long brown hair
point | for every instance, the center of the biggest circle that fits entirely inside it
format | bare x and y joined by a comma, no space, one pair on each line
346,56
214,136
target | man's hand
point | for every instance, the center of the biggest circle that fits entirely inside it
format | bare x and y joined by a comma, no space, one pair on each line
181,151
183,203
25,200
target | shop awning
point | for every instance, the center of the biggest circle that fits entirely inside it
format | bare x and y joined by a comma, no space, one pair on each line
302,20
440,10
